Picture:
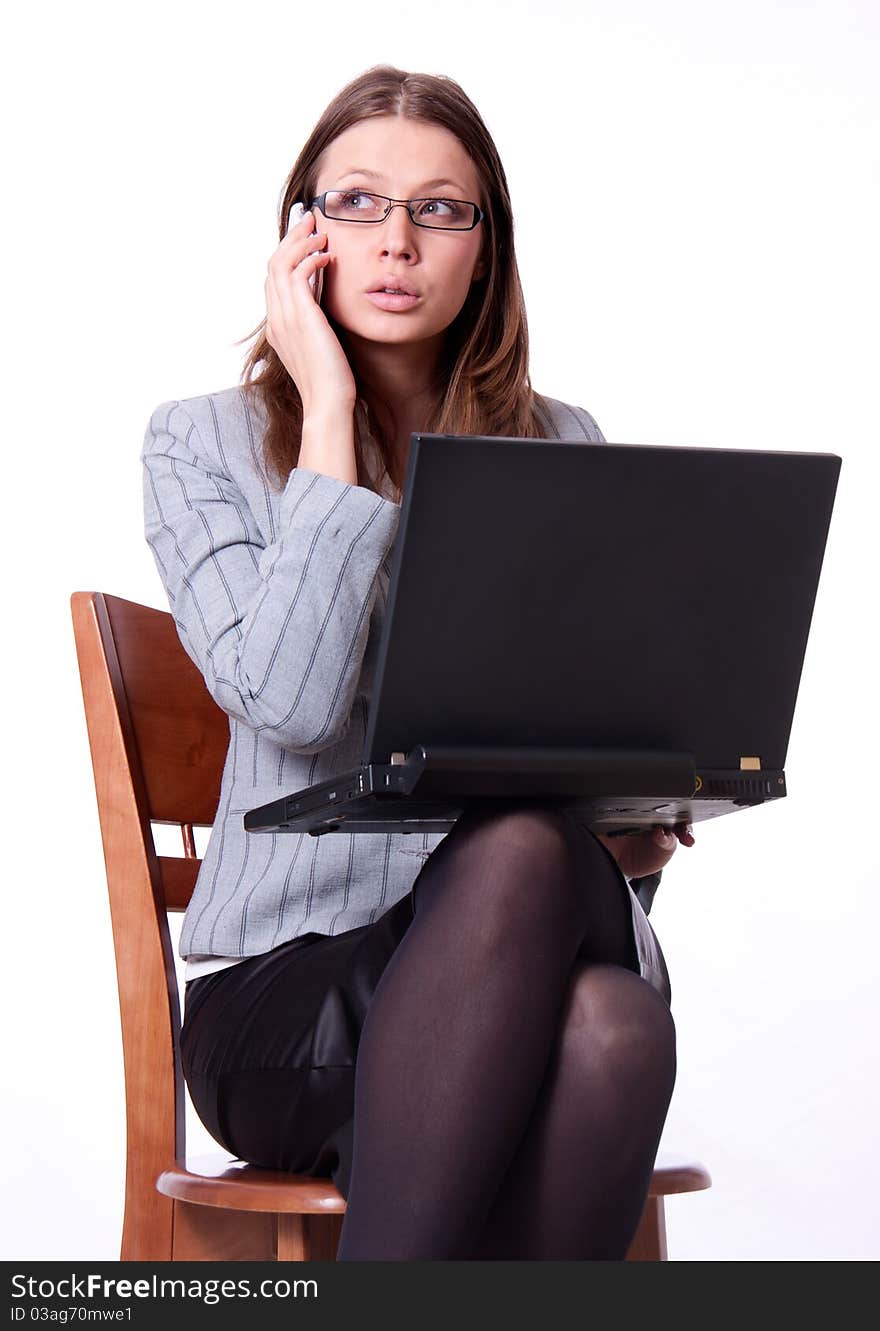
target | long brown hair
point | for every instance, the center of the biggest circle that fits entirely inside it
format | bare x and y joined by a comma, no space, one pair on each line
485,385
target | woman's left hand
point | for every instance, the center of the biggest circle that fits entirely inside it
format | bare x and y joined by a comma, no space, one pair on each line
647,852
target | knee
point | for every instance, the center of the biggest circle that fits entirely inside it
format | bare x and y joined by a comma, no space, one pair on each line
620,1023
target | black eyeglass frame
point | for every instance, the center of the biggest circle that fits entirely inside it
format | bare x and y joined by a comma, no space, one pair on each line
398,203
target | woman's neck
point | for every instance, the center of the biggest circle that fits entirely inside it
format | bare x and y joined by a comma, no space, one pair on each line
402,379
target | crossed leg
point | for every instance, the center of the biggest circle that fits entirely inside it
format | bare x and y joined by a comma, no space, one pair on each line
513,1072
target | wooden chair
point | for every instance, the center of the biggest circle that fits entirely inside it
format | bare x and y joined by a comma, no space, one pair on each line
158,741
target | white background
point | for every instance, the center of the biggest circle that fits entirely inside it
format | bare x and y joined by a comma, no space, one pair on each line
695,187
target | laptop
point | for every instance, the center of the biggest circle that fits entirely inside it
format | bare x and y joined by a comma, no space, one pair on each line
617,628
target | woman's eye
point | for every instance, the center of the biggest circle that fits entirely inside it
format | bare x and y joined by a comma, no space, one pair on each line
441,207
354,201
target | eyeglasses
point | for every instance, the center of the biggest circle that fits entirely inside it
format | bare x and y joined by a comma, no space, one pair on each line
357,206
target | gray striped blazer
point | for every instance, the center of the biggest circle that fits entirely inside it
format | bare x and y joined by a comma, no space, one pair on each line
279,597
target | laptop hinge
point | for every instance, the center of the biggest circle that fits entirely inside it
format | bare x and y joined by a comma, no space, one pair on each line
430,769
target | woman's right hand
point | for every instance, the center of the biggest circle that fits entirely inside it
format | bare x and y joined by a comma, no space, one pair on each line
298,330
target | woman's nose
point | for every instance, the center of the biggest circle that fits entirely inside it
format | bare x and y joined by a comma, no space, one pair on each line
397,231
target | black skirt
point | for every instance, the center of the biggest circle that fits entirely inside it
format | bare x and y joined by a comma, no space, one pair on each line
269,1045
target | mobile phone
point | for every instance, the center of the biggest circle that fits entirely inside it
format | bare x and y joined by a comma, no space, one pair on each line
316,280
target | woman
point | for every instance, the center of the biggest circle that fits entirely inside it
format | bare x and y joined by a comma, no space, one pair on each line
472,1035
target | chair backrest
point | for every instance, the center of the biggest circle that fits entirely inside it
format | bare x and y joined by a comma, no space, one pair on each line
158,742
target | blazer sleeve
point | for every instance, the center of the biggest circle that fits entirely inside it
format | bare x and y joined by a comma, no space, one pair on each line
278,630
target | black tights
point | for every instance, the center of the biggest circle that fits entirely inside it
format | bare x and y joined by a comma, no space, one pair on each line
513,1073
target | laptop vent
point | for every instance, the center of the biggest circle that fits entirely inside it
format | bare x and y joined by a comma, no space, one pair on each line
756,787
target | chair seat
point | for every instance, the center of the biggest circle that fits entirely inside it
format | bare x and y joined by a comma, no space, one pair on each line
216,1180
675,1173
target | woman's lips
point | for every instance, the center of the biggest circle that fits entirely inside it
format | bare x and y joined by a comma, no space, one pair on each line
384,301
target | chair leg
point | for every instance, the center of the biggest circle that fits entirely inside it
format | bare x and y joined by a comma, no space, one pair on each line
147,1226
649,1242
308,1238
